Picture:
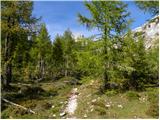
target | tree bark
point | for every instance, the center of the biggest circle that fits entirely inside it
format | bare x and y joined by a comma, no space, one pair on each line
7,62
106,60
66,69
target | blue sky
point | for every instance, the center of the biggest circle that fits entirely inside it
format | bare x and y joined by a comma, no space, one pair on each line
58,16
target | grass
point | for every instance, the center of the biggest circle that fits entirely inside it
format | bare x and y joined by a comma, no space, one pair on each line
47,105
112,104
53,96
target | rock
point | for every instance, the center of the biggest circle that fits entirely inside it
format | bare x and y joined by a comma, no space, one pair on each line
142,99
92,109
108,105
61,102
65,102
91,106
89,95
120,106
62,114
149,31
111,85
94,100
135,116
85,116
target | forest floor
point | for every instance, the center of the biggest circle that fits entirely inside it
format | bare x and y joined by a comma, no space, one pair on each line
61,100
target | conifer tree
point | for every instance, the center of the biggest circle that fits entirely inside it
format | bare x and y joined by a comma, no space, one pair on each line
151,7
17,22
42,51
110,18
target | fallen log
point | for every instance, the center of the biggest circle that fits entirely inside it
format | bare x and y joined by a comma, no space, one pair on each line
17,105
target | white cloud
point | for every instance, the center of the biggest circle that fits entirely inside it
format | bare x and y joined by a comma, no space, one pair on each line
55,29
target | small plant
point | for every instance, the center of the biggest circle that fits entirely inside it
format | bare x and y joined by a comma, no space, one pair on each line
132,95
111,92
101,110
153,109
99,103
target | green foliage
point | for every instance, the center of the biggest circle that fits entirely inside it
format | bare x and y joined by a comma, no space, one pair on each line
153,65
29,56
133,62
41,53
108,17
101,111
111,92
153,109
16,22
88,57
149,6
132,95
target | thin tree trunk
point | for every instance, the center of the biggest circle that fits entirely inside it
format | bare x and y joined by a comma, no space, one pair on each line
8,63
7,56
43,69
106,59
66,70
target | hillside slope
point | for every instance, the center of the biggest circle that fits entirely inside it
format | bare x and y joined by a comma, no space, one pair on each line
149,31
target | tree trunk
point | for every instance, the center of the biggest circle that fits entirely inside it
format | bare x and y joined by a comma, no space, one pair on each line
106,58
41,69
7,55
66,70
7,62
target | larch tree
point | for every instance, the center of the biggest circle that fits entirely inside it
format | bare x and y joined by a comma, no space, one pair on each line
57,55
111,19
16,21
149,6
42,50
68,44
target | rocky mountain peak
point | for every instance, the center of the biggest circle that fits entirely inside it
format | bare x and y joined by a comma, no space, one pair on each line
149,31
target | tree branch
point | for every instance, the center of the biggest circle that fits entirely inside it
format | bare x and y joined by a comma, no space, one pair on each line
27,109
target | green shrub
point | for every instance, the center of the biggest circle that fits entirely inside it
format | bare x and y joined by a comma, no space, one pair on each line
153,109
152,94
85,79
111,92
101,110
132,95
99,103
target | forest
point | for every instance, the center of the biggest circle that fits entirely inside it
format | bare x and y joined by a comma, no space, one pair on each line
114,76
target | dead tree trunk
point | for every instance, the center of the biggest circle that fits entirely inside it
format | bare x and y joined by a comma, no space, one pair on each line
20,106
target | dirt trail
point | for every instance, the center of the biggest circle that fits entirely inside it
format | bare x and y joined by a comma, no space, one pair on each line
72,104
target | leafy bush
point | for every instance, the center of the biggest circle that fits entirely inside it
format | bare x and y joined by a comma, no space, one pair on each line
99,103
86,79
111,92
153,109
132,95
152,94
101,110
